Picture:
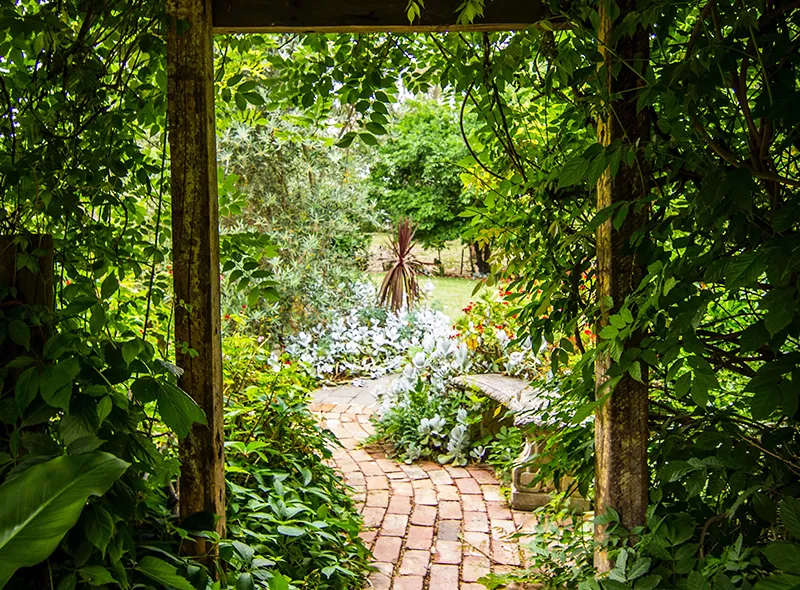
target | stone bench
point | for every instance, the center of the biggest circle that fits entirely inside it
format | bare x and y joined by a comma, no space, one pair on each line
523,403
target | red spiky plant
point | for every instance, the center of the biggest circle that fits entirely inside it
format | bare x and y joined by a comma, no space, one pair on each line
400,285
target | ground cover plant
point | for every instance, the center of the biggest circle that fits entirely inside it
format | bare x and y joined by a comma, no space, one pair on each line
286,503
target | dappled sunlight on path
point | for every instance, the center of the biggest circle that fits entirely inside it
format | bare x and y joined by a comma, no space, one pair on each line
428,526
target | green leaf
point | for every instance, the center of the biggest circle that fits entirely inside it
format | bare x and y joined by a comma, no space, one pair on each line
779,582
38,507
55,383
27,388
290,531
784,556
278,582
104,409
368,139
635,371
245,582
97,319
84,444
131,349
253,98
376,128
609,333
790,515
346,140
178,410
98,526
163,573
754,336
639,568
781,307
573,172
744,270
697,581
20,333
96,575
146,389
109,286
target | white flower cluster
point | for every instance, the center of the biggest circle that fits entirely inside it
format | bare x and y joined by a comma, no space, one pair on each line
369,342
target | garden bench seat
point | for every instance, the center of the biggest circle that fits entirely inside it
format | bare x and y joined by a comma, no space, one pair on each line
524,403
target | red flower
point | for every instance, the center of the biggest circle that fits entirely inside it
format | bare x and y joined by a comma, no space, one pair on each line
244,306
588,332
227,316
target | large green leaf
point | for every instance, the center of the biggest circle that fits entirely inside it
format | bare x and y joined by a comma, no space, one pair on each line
43,503
178,410
162,572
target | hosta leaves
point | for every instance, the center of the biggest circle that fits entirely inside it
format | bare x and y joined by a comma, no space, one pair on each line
39,506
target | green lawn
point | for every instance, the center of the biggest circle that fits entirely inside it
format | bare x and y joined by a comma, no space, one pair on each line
450,294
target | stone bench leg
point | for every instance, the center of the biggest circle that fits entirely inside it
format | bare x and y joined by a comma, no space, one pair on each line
525,496
528,496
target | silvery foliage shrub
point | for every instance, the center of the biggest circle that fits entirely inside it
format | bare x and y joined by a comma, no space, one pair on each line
367,341
422,411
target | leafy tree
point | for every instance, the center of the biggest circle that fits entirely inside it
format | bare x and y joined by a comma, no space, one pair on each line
416,172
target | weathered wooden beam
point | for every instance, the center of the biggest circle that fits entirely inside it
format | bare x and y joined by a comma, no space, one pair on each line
621,432
366,16
195,252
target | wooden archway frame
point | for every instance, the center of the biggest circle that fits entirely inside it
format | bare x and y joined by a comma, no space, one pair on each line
621,423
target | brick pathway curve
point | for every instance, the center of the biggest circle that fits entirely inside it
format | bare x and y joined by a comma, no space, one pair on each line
428,526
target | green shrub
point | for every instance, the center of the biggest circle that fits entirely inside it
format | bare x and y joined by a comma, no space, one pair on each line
286,502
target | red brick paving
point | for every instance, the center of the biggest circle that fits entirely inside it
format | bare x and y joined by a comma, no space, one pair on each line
428,526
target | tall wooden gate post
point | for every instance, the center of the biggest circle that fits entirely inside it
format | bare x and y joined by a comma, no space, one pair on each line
195,251
621,432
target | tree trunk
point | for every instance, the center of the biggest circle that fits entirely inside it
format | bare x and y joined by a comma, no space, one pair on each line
481,253
621,433
195,232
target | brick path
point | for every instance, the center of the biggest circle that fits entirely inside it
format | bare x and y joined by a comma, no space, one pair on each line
428,526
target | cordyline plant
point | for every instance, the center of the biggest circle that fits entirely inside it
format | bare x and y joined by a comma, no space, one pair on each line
400,286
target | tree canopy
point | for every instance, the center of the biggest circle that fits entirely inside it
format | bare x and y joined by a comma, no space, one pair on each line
415,173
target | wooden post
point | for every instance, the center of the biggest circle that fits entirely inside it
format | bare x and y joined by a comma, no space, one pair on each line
621,432
195,252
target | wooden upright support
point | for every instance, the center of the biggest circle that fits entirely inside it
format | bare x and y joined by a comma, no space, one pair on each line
621,433
195,236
